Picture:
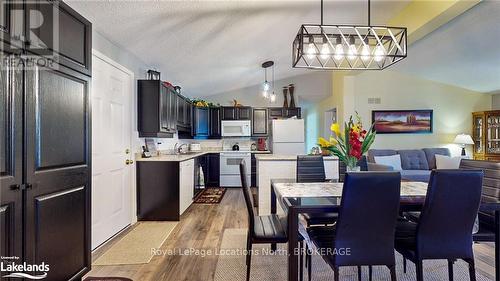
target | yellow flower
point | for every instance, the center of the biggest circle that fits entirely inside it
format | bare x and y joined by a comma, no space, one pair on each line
335,128
323,142
333,141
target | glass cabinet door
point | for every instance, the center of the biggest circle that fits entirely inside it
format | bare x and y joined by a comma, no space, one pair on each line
477,134
493,133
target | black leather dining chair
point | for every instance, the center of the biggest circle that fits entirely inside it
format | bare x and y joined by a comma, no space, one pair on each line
269,229
444,229
311,168
371,241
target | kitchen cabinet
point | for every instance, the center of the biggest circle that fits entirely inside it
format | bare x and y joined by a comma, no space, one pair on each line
45,150
260,122
213,174
236,113
201,124
186,184
156,109
74,43
282,112
215,119
183,114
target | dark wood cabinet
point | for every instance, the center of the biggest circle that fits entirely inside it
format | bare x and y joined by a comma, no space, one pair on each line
183,114
282,112
201,120
212,179
215,119
253,169
236,113
72,46
260,122
11,162
156,109
45,163
57,169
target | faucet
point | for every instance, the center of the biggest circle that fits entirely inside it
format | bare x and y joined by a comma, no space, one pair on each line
178,149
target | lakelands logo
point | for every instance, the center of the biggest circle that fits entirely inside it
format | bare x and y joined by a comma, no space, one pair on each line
23,270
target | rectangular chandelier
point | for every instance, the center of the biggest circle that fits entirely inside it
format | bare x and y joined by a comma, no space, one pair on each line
344,47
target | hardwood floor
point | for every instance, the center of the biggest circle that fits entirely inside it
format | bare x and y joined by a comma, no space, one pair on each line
202,227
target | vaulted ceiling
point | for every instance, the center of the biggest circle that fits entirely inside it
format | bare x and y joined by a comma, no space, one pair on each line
209,47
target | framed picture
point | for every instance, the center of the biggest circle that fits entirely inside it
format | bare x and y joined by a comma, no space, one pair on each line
402,121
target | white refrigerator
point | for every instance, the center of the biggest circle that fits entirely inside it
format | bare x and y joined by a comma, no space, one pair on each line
288,137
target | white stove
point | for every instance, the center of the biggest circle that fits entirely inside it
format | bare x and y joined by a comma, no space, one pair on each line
230,167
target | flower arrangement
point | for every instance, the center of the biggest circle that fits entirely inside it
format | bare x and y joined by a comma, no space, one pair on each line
349,145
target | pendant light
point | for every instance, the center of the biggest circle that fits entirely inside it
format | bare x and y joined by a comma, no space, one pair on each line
268,87
348,47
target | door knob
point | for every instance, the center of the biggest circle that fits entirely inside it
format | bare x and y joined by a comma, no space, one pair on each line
128,161
15,187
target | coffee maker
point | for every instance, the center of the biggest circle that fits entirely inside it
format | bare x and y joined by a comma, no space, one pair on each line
261,144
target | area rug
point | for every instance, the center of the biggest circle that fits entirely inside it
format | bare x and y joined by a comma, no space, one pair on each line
107,279
211,195
267,266
135,247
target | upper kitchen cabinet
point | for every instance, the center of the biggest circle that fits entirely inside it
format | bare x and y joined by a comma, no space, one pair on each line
156,109
63,33
236,113
282,112
201,122
183,113
11,25
259,122
215,118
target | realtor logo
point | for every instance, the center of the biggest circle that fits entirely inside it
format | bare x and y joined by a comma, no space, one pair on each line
32,26
23,270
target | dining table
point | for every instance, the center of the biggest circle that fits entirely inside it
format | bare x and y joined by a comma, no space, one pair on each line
325,197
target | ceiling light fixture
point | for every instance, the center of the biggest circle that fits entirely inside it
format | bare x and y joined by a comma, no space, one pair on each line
268,86
348,47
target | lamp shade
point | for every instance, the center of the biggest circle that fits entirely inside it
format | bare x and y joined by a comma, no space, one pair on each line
463,139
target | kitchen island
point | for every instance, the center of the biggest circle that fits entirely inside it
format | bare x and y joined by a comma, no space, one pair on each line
272,166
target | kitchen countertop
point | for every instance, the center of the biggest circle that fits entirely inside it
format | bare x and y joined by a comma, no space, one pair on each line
277,157
185,157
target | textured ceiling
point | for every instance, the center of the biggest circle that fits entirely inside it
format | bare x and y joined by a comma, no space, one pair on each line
209,47
465,52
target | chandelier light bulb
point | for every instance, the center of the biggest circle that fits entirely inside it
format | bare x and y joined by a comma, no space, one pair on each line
365,53
311,51
273,97
266,86
265,94
339,52
325,51
352,52
379,54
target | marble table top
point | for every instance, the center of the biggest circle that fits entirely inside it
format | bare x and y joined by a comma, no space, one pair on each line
334,189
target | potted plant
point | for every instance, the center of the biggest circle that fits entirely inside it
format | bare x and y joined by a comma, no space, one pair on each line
351,144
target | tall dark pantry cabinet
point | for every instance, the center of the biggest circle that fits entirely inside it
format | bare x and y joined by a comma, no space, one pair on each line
45,146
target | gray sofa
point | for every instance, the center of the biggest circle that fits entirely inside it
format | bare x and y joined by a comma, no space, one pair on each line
416,163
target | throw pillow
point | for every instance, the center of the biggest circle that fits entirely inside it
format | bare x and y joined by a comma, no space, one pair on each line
447,162
394,161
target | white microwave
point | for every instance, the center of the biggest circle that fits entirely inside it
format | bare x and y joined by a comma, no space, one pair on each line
236,128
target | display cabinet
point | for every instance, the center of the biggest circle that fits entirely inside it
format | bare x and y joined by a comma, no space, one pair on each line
486,135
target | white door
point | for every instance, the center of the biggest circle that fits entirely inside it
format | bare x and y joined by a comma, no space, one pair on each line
111,137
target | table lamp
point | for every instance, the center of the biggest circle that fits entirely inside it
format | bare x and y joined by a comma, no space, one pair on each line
463,140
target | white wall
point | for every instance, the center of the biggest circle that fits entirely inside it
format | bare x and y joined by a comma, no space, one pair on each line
495,102
452,106
314,85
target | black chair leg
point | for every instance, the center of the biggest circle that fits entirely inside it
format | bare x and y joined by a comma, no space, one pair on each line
404,265
420,270
273,247
359,273
336,273
309,264
370,273
450,270
392,269
472,269
249,257
301,257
